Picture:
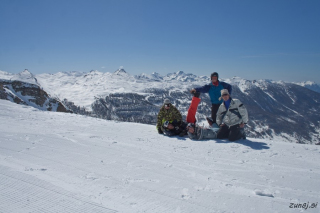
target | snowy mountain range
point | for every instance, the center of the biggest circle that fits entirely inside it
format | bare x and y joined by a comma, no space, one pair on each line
277,109
310,85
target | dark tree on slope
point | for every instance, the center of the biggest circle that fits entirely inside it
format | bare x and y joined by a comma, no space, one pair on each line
129,107
76,109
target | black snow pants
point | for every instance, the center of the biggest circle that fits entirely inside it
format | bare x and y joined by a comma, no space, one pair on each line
214,110
233,133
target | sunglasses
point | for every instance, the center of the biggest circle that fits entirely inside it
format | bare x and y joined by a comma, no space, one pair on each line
167,105
225,95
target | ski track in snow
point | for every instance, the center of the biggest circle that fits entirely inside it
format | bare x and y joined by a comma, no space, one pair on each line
57,162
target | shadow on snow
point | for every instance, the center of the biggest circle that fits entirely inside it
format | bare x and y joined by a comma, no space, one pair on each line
251,144
246,142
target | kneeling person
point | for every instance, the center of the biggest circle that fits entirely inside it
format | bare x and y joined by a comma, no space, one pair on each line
232,116
170,120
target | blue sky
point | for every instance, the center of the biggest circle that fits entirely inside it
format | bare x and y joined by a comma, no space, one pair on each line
253,39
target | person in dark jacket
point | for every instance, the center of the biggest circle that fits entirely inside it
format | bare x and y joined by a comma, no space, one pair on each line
170,120
214,89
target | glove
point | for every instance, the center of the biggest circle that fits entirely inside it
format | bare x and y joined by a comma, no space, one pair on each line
160,131
176,123
165,124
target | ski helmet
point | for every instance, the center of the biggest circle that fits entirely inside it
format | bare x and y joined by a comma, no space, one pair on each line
215,74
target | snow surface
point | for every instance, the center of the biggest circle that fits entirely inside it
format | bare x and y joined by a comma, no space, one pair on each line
58,162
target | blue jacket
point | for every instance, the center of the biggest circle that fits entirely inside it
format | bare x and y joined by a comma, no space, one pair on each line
215,91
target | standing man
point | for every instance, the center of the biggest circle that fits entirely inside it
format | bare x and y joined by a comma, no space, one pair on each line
214,90
231,118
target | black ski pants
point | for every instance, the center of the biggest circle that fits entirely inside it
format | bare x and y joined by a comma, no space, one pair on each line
214,110
233,133
178,128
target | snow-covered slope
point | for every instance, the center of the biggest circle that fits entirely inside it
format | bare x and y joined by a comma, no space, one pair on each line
57,162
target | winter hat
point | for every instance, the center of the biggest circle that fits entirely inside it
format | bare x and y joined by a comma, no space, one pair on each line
215,74
166,101
224,92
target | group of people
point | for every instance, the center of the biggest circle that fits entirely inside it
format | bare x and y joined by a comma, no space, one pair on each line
228,116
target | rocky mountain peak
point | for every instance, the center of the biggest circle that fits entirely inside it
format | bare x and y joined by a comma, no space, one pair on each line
120,71
25,76
180,73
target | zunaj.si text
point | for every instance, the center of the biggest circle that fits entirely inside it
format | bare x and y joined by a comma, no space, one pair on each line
303,205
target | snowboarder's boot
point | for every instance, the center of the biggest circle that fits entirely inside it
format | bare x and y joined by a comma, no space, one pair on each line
196,94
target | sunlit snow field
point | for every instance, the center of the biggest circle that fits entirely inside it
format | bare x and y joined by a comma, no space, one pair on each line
57,162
